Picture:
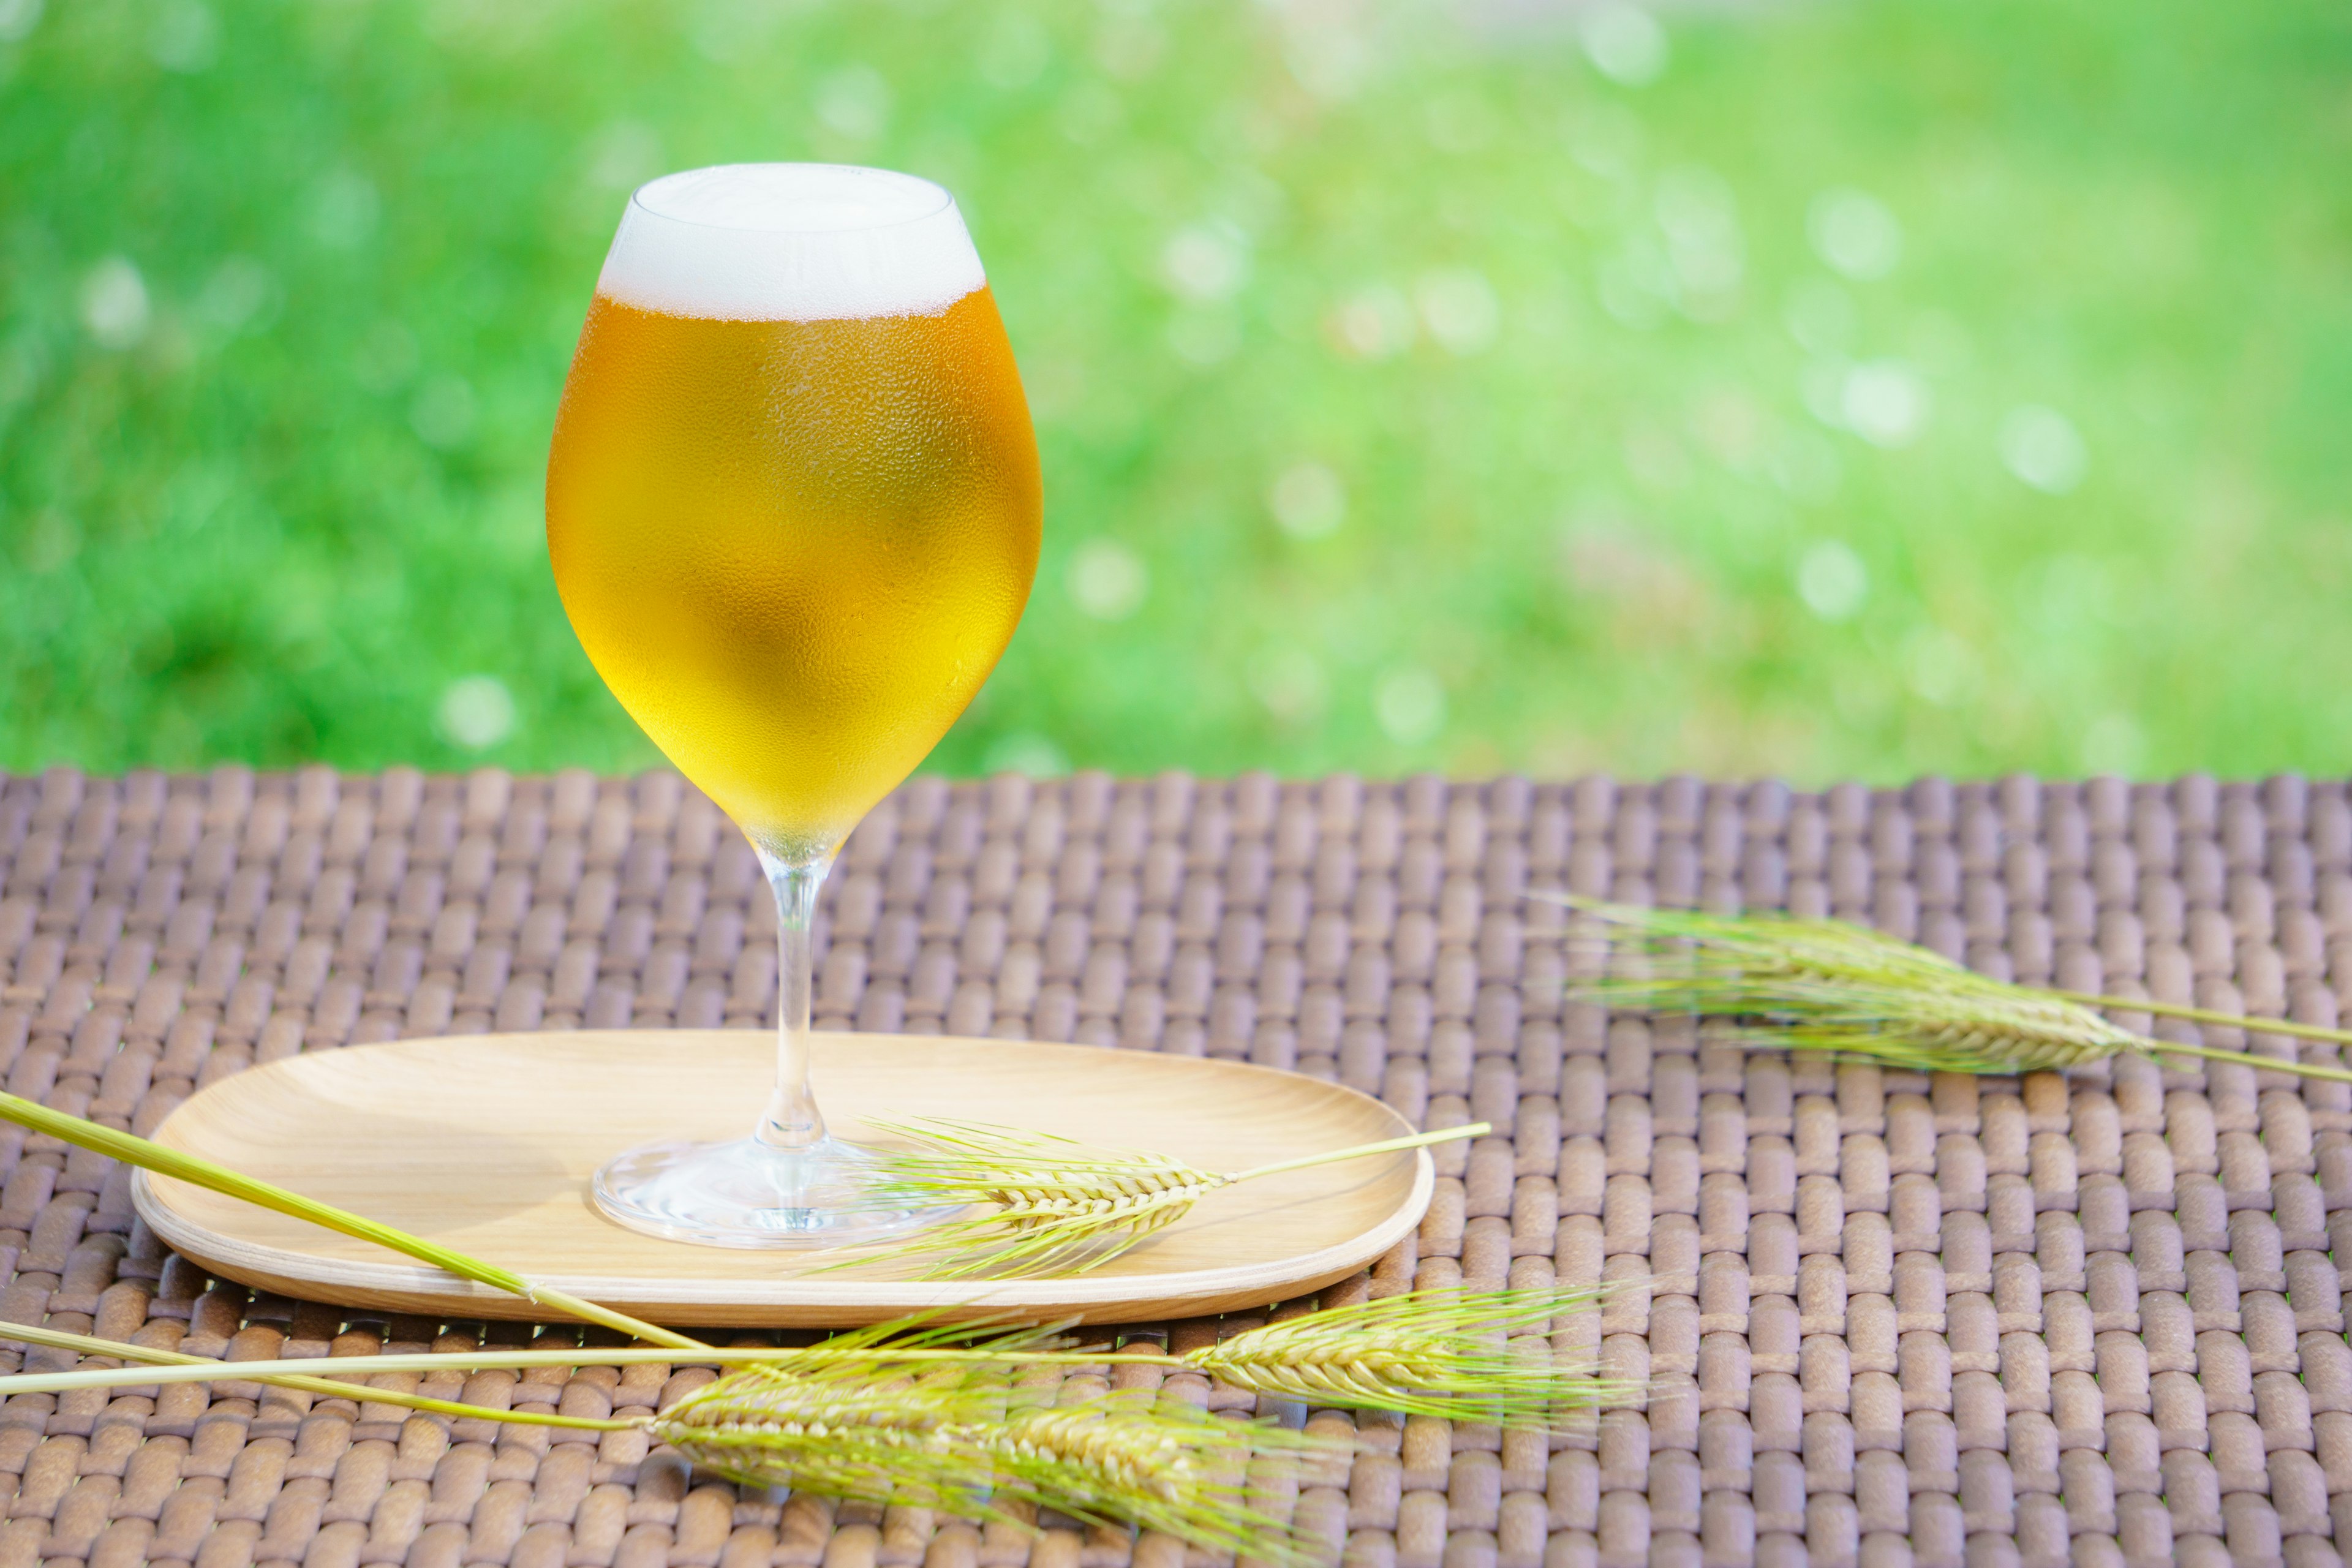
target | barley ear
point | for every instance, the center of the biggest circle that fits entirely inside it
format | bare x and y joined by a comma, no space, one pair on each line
1474,1355
1051,1206
1834,986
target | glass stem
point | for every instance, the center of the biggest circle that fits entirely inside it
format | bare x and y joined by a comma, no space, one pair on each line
793,1121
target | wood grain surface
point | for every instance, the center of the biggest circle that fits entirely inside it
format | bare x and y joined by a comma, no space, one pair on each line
486,1144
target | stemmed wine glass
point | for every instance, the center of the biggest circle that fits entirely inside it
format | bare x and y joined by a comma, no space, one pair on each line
793,508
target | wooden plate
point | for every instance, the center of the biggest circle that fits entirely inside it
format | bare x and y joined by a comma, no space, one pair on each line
486,1144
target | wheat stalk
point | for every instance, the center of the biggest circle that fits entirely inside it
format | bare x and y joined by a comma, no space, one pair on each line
133,1149
913,1421
1834,986
897,1411
1054,1205
919,1412
174,1367
1428,1353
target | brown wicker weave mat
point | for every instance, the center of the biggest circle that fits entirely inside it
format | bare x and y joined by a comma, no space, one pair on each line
1897,1320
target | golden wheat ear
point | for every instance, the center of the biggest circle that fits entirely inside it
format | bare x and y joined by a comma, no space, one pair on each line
1833,986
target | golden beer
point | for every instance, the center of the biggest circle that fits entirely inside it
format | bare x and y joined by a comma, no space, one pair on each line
794,548
793,508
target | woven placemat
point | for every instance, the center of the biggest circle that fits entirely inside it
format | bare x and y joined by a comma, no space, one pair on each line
2090,1319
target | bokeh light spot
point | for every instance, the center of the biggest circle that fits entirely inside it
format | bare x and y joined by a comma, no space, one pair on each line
476,712
1885,402
1410,704
1308,500
1855,233
1108,579
2043,450
114,304
1625,43
1832,580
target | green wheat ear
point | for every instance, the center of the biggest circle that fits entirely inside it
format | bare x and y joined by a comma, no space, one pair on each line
1046,1206
918,1410
1834,986
1480,1355
1470,1356
961,1440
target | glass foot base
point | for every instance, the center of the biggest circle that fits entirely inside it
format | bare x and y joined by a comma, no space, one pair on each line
752,1194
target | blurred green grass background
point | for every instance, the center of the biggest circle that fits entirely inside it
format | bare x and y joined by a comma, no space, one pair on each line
1830,388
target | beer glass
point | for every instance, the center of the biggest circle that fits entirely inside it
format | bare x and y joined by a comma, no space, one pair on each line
793,508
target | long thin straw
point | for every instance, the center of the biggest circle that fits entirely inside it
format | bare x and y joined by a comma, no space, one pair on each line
2208,1015
193,1369
2248,1058
1363,1151
197,1171
172,1366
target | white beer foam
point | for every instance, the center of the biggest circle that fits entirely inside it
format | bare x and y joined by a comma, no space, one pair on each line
790,242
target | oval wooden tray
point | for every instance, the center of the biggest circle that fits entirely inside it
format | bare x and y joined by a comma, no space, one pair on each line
486,1144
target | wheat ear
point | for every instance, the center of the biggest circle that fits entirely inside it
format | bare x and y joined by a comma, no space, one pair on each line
1475,1355
1054,1205
877,1422
1834,986
946,1439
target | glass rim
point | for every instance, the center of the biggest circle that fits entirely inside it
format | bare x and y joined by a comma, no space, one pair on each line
945,200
